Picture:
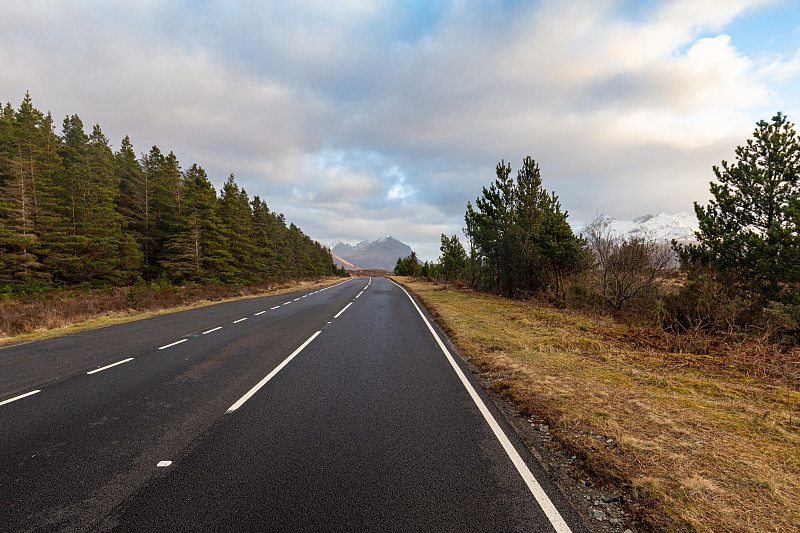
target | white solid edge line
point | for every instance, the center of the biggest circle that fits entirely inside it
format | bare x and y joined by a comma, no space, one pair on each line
211,330
109,366
173,344
240,320
277,369
343,310
21,396
536,489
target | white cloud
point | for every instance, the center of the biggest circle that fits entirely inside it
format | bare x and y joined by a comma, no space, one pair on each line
365,118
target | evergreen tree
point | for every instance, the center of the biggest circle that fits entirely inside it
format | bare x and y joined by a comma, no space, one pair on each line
6,148
151,165
563,251
197,251
471,228
6,235
74,212
85,235
494,224
453,259
49,168
299,261
21,191
407,266
264,249
163,197
118,257
66,238
131,201
530,208
520,234
749,230
237,219
103,224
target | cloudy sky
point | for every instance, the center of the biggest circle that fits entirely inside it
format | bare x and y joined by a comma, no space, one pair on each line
361,118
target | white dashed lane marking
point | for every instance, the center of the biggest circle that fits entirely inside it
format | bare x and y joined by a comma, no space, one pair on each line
343,310
173,344
96,370
21,396
277,369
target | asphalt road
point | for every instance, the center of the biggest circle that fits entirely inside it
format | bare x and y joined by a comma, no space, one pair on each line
336,410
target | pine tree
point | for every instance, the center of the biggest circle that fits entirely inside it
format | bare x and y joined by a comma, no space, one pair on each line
407,266
28,163
132,194
559,246
238,222
6,235
116,255
530,205
471,231
74,212
520,233
163,175
66,240
51,222
453,259
6,136
494,220
22,195
151,164
748,231
197,250
87,243
266,262
278,237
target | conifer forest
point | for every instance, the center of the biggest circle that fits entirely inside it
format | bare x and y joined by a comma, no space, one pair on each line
74,212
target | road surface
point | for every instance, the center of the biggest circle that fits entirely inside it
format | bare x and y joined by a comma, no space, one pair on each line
340,409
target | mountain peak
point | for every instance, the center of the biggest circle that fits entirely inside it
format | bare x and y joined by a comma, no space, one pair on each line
661,227
381,253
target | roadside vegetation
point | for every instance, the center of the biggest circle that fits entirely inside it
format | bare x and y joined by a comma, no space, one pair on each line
87,233
57,312
704,442
670,370
74,213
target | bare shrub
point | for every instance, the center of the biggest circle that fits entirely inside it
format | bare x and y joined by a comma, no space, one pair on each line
26,314
627,269
702,305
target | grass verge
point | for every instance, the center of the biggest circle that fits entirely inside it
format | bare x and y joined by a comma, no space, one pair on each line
699,444
29,318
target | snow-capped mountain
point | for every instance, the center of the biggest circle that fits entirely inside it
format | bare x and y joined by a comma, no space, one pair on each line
379,254
662,227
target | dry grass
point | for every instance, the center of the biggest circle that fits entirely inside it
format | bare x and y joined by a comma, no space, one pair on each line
703,443
28,318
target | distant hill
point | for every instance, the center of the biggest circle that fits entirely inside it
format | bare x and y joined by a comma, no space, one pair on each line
380,254
339,262
662,227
